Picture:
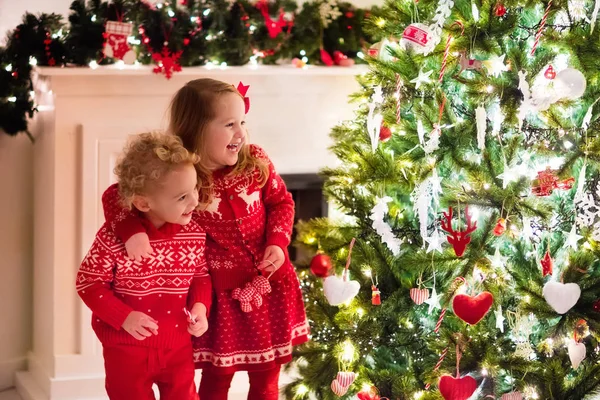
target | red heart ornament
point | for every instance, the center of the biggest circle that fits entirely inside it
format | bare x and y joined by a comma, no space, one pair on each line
457,389
472,309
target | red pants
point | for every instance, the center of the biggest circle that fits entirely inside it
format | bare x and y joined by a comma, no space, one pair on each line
264,385
131,371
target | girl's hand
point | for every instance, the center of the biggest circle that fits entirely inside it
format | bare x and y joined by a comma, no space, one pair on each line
138,246
198,324
273,259
140,325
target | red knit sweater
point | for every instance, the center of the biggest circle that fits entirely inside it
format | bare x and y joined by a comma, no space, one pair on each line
242,219
176,276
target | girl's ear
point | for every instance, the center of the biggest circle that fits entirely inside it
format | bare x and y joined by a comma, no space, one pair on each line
141,203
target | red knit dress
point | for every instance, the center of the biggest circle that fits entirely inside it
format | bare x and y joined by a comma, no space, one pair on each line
240,222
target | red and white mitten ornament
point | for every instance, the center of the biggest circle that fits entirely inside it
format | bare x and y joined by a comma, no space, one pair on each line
457,388
472,309
115,45
320,265
419,295
342,382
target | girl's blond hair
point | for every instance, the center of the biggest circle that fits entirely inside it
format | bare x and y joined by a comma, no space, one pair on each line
145,161
191,110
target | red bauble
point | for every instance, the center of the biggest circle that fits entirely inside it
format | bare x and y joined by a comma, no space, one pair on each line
349,14
321,265
384,133
186,41
550,73
500,10
500,227
457,389
472,309
368,394
596,306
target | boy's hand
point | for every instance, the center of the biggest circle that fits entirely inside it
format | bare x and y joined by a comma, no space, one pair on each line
140,325
273,259
200,325
138,246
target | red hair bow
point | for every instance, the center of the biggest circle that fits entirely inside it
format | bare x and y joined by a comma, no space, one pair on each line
243,89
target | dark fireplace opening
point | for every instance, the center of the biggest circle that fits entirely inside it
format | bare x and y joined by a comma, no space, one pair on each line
307,191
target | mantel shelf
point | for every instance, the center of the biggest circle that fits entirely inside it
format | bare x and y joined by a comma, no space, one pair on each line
141,70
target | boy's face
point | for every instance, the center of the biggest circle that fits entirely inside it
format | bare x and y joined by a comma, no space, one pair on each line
172,200
226,133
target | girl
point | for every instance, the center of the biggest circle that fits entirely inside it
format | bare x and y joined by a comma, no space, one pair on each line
257,313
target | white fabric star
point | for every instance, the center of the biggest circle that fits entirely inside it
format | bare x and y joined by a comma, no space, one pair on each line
435,242
423,78
495,65
498,260
433,301
572,238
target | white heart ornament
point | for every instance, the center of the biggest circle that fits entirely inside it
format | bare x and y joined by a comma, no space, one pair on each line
512,396
561,296
337,291
576,353
337,388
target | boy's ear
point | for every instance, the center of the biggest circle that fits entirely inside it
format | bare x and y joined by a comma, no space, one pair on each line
141,203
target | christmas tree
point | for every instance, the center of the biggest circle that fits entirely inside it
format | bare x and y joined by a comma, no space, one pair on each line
464,262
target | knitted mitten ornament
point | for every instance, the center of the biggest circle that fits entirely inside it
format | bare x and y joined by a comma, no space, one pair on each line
250,296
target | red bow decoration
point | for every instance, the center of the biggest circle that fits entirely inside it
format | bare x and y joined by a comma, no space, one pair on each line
250,296
243,89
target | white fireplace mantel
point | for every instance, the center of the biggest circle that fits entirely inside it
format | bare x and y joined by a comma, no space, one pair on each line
85,117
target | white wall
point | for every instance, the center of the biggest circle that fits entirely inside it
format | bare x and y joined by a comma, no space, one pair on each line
11,11
16,260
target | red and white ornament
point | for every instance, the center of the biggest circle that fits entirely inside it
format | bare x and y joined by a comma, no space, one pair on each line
375,296
115,41
342,382
472,309
418,37
550,73
547,264
419,295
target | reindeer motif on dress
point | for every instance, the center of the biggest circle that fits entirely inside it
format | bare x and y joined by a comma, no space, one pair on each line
252,199
212,207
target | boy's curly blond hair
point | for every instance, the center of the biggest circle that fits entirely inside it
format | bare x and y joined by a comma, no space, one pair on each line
145,161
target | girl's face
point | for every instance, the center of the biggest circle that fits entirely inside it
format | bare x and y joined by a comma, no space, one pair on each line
226,133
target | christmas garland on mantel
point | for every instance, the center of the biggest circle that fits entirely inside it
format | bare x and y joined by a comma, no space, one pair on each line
173,34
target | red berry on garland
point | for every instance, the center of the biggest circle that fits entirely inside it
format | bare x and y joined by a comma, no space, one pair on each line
500,10
384,133
320,265
349,14
550,73
186,41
